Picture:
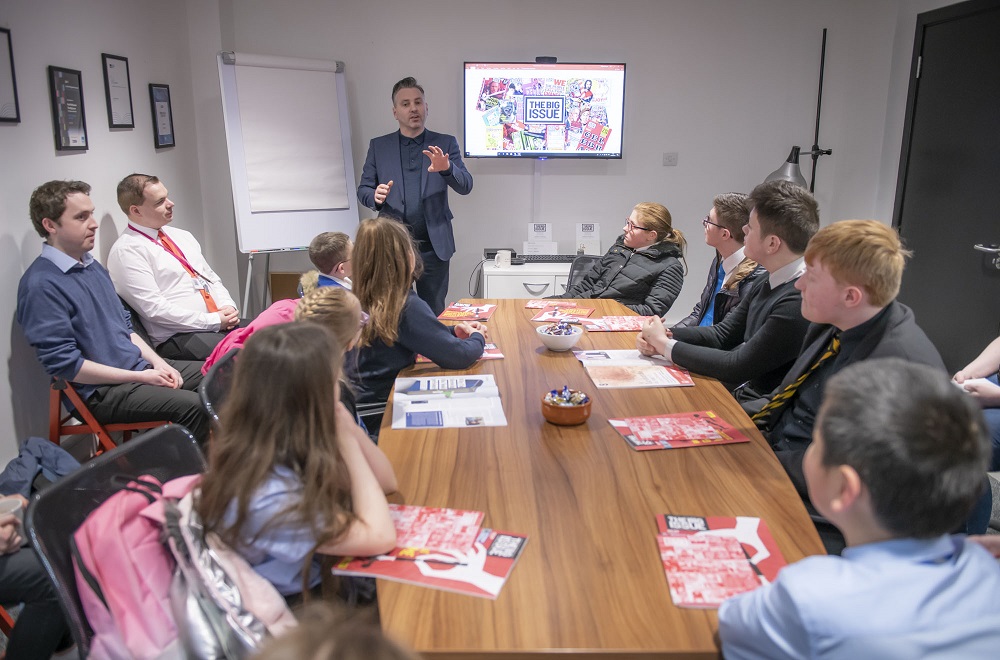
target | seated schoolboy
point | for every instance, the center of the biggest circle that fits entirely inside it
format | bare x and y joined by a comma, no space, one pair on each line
759,340
330,252
896,463
732,273
853,272
644,269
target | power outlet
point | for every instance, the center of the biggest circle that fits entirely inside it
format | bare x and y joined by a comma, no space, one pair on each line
670,159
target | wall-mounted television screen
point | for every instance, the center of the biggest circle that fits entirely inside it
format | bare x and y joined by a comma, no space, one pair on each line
530,110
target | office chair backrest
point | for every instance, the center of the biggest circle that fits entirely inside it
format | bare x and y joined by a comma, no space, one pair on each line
580,266
216,384
55,513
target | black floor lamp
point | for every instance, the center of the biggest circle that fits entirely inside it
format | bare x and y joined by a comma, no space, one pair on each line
789,170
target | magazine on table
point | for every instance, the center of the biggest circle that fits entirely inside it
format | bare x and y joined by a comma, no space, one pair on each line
690,429
490,352
707,560
466,312
480,570
614,324
628,368
447,402
569,314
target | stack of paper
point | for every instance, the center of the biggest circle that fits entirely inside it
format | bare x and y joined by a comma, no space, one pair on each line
692,429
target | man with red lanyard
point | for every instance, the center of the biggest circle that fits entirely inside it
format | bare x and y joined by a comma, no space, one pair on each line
163,275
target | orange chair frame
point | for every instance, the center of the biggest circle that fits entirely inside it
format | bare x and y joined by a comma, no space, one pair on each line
58,426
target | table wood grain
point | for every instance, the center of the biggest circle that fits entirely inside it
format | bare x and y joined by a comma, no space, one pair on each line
589,579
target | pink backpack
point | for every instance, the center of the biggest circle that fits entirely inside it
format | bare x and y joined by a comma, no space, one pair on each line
124,571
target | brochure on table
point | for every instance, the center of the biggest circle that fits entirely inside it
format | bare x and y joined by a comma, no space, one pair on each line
442,549
466,312
447,402
707,560
614,324
691,429
616,369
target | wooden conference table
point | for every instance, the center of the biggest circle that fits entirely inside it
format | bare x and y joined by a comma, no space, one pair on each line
589,579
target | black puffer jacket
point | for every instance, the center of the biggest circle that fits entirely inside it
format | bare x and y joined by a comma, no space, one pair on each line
646,281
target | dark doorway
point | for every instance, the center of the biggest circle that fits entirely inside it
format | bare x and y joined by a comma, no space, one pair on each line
948,191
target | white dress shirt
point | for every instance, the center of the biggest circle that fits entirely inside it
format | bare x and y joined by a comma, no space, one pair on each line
153,281
730,263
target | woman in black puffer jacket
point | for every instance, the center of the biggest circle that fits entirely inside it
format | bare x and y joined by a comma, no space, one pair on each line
644,270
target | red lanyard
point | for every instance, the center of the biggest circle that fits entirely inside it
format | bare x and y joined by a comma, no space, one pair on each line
172,249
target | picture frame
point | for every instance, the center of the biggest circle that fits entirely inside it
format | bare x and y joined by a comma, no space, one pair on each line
163,116
69,119
10,111
117,91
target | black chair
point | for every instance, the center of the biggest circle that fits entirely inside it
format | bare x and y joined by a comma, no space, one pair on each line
55,513
580,267
216,384
137,326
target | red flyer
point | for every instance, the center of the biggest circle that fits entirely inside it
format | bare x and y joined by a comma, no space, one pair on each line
424,529
480,570
614,324
707,560
542,304
560,313
466,312
692,429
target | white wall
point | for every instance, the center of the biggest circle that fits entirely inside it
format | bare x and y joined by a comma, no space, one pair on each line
730,85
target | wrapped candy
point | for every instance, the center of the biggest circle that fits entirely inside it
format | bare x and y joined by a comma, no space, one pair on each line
566,397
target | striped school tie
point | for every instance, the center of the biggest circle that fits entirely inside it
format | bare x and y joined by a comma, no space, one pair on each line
785,395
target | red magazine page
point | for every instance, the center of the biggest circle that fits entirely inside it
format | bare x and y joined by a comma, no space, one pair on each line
466,312
692,429
560,313
427,529
614,324
707,560
479,571
490,352
542,304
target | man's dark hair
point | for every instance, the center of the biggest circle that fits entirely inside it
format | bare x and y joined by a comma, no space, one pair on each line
787,211
918,443
732,210
49,201
408,82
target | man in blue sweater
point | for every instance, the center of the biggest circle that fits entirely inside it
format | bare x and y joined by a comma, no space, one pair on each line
72,316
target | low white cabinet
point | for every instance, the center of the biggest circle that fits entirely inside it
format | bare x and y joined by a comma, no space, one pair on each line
533,280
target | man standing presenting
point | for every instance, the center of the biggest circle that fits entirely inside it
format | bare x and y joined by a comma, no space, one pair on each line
408,173
70,314
163,275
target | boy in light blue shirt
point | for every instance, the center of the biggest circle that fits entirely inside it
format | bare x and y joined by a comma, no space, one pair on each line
896,463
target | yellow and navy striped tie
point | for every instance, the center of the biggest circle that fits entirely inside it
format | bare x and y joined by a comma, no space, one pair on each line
785,395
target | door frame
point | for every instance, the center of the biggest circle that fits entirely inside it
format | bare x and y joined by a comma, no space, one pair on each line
925,20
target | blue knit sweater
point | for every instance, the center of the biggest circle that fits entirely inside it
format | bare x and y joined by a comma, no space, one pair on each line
72,316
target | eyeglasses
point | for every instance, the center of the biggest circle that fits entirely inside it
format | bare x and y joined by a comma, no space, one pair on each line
630,226
364,319
706,222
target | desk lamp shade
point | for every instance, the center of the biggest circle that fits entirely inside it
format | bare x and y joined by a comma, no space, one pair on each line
789,170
